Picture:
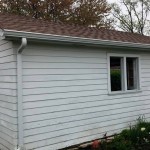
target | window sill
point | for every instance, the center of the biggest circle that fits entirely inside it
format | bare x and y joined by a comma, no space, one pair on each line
125,92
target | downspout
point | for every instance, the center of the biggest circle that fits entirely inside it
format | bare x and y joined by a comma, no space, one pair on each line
20,94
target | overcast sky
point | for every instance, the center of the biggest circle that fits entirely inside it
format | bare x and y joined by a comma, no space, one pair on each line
112,1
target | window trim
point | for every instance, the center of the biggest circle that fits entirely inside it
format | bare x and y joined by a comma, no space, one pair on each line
124,82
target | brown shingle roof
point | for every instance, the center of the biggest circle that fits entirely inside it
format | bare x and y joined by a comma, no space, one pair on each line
28,24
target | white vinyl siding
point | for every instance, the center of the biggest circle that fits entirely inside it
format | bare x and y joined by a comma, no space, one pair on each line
8,107
65,96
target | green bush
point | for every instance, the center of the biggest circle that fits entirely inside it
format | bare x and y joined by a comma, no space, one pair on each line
134,138
115,80
119,143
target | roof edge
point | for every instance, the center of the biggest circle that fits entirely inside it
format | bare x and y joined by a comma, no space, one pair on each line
72,39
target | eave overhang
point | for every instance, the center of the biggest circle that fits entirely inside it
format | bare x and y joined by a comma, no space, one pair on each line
31,36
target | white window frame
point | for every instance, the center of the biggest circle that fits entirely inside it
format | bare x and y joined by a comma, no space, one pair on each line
124,73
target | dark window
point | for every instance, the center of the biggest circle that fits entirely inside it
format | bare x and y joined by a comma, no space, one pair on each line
131,73
124,73
115,73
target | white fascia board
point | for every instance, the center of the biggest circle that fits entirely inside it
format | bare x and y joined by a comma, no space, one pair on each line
71,39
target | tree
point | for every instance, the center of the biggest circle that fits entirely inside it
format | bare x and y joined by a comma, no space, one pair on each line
80,12
55,10
14,6
92,13
135,17
48,9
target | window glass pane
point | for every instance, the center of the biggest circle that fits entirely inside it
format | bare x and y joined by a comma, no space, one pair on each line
115,73
132,74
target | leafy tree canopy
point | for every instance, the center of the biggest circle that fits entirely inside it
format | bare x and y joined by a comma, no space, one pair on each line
80,12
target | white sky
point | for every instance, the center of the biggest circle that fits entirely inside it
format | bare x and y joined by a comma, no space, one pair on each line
124,9
116,1
112,1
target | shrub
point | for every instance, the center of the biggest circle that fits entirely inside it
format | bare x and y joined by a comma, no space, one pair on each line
115,80
134,138
119,143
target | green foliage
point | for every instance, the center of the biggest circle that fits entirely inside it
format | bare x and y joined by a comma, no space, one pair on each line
115,80
119,143
134,138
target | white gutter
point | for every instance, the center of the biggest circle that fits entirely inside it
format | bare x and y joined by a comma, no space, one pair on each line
20,94
71,39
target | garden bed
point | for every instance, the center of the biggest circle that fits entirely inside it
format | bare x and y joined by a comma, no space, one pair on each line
137,137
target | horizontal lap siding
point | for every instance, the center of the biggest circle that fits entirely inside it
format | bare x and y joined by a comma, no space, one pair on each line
8,110
66,101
